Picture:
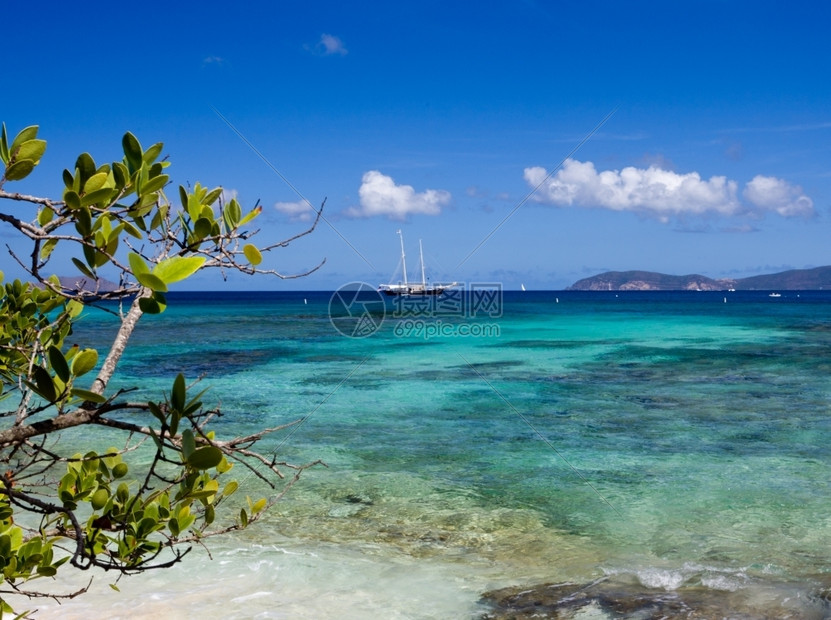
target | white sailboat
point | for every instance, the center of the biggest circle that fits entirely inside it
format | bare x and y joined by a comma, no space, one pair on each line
414,288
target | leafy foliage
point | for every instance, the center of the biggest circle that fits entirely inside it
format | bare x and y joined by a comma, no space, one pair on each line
96,509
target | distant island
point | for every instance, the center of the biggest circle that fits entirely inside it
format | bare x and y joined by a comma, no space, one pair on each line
818,278
82,283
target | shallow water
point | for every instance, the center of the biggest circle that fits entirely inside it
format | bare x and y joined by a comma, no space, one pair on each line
671,438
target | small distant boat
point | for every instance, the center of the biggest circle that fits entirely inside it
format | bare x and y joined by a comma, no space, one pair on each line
408,288
522,286
775,295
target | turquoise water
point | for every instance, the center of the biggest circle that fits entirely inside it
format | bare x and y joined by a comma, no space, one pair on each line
679,440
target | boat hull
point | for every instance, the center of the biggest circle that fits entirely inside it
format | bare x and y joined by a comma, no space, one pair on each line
412,291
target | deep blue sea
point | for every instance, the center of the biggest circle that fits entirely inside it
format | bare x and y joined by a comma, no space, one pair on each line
670,441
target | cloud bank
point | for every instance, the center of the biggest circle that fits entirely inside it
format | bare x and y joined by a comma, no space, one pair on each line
379,195
299,211
664,194
772,194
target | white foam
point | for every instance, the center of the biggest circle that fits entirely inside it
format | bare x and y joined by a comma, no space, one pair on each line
664,579
690,573
721,582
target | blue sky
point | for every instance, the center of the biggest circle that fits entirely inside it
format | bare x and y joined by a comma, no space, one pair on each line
440,118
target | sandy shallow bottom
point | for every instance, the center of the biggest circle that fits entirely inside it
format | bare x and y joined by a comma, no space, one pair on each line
286,581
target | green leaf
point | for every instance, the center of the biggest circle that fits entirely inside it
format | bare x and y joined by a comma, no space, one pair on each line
224,467
47,248
154,304
4,145
132,230
19,170
202,228
212,196
58,362
177,268
114,233
83,268
72,200
188,443
205,457
137,264
230,488
178,393
95,182
90,256
85,167
156,411
44,384
154,184
202,495
195,403
83,221
243,517
152,153
45,215
122,492
26,134
121,176
146,204
31,149
232,214
132,151
250,216
100,195
84,361
101,258
150,281
74,308
253,255
87,395
104,225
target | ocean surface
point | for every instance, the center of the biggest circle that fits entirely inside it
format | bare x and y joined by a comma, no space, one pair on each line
667,443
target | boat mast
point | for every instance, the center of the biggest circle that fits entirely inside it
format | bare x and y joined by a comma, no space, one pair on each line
421,256
403,262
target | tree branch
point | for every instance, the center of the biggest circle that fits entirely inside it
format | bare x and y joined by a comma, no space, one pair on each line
128,324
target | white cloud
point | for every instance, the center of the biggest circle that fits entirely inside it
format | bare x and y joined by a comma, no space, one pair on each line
330,45
379,195
217,61
661,193
772,194
299,211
